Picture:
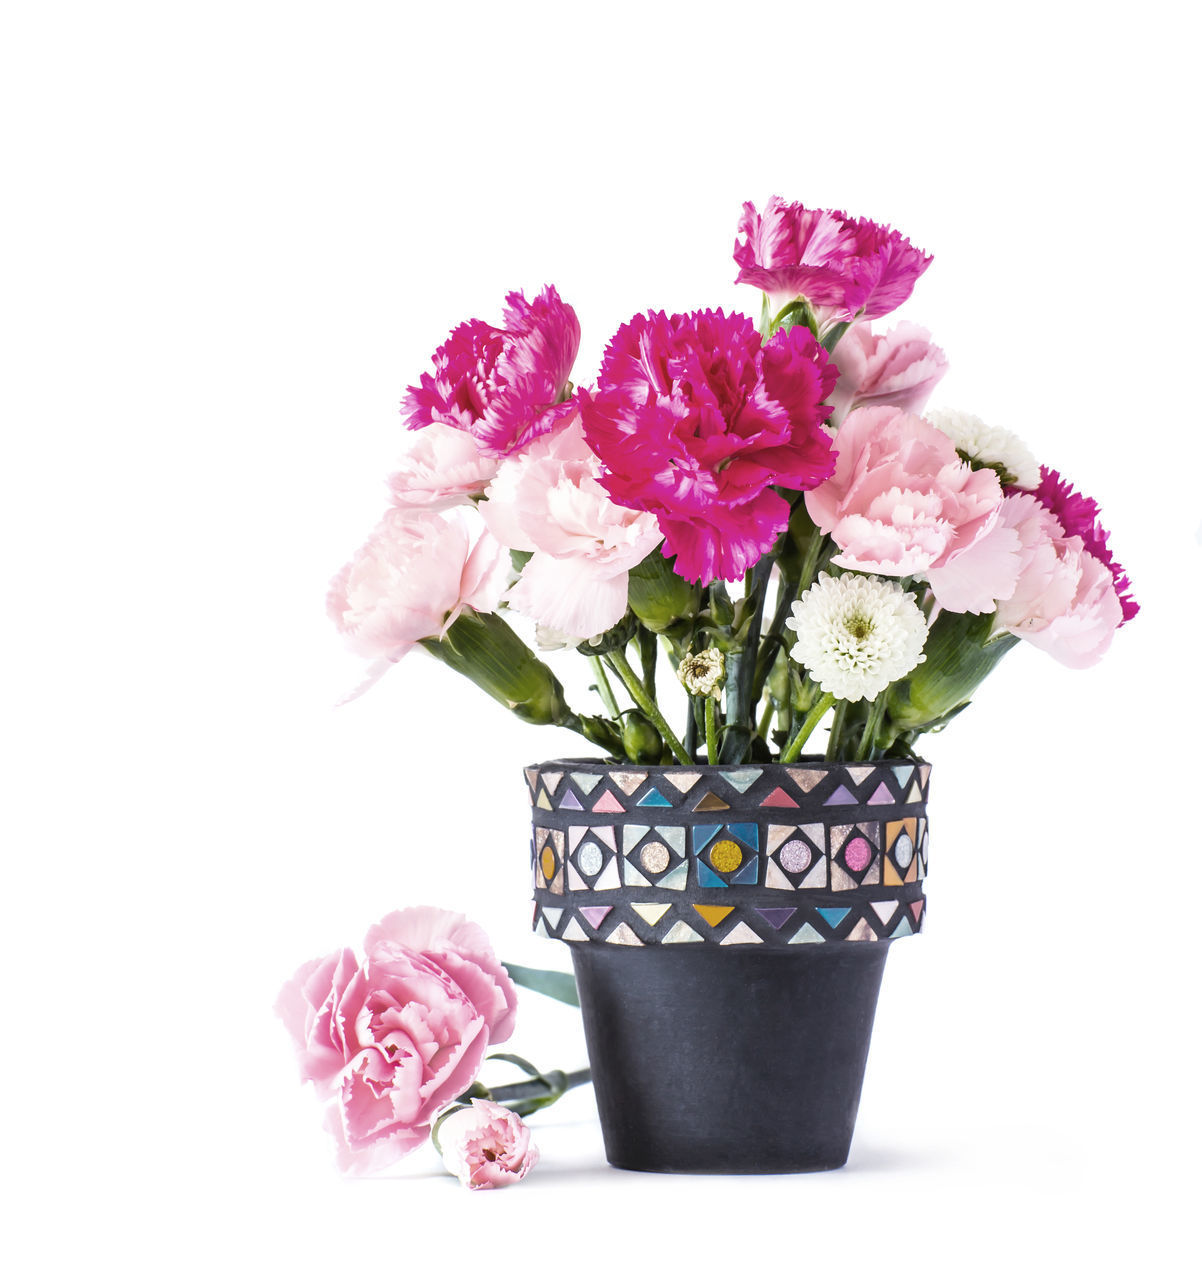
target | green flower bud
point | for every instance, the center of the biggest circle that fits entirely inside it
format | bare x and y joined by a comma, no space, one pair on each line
959,655
617,637
483,647
640,739
659,597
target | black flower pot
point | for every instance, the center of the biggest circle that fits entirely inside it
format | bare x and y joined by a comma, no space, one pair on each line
729,929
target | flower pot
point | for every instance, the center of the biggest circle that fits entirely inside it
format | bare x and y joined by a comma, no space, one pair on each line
728,929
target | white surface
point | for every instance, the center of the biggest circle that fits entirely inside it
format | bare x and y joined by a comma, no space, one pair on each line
234,232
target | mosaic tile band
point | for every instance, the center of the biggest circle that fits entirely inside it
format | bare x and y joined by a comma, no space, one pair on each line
766,855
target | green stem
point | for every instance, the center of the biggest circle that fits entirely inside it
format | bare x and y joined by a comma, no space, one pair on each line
872,725
772,641
648,655
617,661
818,548
711,731
740,670
766,720
832,746
603,686
820,708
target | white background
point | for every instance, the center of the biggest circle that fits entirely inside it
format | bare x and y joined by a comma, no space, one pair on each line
233,234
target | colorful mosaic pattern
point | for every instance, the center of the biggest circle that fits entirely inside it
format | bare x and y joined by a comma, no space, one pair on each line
768,855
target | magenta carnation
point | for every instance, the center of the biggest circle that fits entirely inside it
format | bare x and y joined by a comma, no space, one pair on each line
695,419
503,386
847,268
1080,516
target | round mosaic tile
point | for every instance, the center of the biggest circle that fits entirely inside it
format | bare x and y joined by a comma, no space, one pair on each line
589,859
795,856
726,856
858,853
903,851
654,857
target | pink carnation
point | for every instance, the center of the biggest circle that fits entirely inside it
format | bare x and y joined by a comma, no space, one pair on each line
695,420
389,1041
846,268
901,502
1080,517
549,501
899,368
486,1146
411,579
1065,601
442,467
503,386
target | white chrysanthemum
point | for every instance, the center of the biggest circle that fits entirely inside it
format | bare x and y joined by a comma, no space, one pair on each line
991,446
857,634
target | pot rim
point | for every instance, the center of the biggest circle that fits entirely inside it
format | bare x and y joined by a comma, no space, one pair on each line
805,761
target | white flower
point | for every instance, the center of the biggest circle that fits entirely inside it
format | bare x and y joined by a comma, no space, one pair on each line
857,634
993,447
702,673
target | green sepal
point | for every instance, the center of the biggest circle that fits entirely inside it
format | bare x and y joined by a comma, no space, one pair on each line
641,740
659,597
617,637
960,653
486,649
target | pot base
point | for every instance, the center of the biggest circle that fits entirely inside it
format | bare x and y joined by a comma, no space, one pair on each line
716,1060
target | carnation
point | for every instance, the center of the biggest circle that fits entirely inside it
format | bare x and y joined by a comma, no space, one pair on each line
441,467
389,1040
549,501
504,386
411,579
486,1146
857,634
696,419
901,502
846,268
981,445
899,368
1081,518
1065,602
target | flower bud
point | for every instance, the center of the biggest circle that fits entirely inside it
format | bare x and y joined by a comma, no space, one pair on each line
640,739
483,647
702,673
486,1146
960,654
658,596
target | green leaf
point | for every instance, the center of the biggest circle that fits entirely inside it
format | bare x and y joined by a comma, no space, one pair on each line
547,982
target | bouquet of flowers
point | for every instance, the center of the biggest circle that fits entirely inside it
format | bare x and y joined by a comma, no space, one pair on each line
764,506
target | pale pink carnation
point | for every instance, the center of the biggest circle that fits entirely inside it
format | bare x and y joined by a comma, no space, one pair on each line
1065,601
899,368
698,421
504,386
441,467
486,1146
411,579
549,501
847,268
1080,517
902,503
389,1041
